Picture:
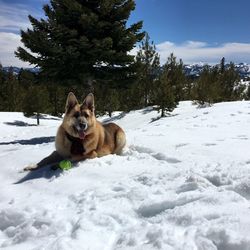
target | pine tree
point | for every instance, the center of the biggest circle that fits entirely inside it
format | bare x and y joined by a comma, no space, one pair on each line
35,101
164,94
148,61
11,92
56,95
176,76
247,94
82,40
206,89
26,78
2,88
222,65
107,99
229,82
168,89
111,101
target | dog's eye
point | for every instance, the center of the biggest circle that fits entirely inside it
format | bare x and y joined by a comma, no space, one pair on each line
85,114
77,114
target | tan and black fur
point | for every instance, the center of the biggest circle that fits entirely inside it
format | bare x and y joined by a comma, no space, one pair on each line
81,136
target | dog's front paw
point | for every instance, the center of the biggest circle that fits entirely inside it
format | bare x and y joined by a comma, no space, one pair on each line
30,167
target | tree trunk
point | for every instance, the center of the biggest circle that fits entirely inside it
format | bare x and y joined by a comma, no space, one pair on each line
37,119
162,112
55,103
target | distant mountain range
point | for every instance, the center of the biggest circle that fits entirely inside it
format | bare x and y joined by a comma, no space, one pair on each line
16,70
193,70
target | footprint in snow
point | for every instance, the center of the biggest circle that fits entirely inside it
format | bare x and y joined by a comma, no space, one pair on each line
153,209
241,137
218,180
243,189
209,144
162,157
181,145
157,156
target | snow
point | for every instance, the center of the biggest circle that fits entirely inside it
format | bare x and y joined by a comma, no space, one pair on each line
183,182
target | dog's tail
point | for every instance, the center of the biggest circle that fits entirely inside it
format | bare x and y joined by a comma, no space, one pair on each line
120,141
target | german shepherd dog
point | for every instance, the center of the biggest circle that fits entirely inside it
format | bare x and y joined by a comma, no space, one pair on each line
81,136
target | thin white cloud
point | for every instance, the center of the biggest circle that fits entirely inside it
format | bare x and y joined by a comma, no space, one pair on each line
8,44
14,17
196,51
195,44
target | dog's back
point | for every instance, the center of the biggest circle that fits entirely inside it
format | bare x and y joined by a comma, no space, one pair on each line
114,137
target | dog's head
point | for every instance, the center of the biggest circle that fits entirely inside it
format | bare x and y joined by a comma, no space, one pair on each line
79,119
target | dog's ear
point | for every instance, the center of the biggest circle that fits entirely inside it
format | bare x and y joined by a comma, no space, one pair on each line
71,102
89,102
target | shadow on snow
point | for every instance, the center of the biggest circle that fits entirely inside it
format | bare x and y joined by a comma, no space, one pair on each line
19,124
45,172
32,141
114,118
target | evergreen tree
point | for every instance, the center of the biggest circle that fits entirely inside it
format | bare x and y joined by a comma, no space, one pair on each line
164,94
26,78
222,65
56,95
168,89
217,84
107,99
206,89
247,94
187,88
148,61
111,101
176,76
82,40
11,93
35,101
229,81
2,88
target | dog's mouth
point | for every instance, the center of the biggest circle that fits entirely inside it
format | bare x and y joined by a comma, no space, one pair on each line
81,134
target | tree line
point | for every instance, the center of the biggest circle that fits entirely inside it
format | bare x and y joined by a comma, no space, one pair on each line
83,46
160,86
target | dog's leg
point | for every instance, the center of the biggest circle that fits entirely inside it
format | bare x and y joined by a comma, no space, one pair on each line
90,155
52,159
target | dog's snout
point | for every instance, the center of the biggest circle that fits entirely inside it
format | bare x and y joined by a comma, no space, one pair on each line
83,125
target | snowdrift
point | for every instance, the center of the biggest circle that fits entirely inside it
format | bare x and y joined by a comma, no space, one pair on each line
183,182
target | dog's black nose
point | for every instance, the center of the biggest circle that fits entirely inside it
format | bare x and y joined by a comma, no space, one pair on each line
83,126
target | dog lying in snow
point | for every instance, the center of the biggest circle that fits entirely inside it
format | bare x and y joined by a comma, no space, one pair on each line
81,136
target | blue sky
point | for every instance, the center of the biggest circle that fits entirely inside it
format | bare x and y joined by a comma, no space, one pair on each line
195,30
211,21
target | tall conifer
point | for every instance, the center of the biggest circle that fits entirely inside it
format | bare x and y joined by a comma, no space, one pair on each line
148,61
82,40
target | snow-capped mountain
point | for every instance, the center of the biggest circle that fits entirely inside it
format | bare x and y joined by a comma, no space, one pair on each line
16,70
194,70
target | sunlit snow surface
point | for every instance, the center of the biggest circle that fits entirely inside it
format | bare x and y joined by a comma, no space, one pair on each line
183,182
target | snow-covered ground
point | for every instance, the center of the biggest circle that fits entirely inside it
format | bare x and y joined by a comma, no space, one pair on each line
183,182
